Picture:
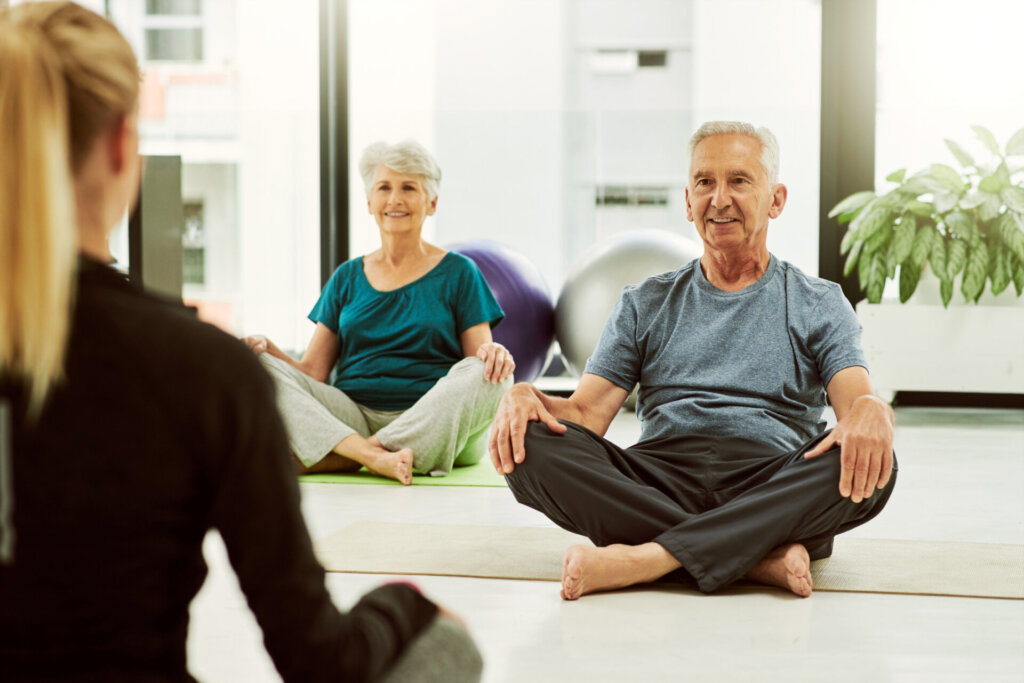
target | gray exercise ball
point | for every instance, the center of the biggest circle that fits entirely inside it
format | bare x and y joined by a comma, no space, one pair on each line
595,283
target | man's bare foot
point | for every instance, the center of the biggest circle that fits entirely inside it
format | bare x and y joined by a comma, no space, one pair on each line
586,569
371,454
788,566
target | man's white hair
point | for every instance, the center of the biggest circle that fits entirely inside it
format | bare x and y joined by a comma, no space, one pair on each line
407,156
769,145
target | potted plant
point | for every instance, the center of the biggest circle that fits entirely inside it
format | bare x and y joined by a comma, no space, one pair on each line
967,223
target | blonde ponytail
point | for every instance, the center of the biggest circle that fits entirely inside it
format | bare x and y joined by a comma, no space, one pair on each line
66,75
37,227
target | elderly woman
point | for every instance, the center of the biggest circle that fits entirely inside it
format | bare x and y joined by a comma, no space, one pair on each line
407,329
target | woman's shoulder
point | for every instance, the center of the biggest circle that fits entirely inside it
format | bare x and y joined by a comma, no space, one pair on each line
157,332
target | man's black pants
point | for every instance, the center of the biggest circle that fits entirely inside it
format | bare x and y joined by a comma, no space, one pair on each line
717,505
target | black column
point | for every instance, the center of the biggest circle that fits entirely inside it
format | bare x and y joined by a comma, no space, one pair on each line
848,103
334,176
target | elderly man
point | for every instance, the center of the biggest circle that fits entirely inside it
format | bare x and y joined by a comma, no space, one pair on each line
735,352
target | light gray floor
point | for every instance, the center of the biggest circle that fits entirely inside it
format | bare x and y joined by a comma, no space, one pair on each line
961,479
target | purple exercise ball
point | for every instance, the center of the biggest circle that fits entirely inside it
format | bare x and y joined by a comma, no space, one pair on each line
528,329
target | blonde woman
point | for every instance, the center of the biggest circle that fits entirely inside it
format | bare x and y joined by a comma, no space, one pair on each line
407,331
128,429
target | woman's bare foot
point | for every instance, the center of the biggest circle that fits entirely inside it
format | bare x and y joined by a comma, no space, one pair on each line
586,569
392,464
788,566
371,454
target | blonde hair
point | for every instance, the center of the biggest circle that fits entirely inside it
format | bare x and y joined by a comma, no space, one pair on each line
407,156
66,76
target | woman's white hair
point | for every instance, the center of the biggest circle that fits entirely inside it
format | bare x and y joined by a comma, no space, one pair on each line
407,156
769,145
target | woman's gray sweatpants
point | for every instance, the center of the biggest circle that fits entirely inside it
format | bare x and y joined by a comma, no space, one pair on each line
445,428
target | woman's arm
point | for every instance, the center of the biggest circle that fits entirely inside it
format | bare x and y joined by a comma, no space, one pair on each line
498,362
317,361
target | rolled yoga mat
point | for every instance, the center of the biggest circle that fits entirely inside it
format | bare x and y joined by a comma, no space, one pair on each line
501,552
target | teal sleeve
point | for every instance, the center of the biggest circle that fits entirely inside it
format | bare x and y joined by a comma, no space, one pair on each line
327,309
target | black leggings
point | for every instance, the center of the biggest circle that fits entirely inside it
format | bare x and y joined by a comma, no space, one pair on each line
718,505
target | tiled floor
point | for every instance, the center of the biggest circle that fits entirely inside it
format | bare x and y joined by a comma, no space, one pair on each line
961,479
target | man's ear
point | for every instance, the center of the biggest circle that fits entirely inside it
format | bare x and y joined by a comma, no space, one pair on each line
779,195
689,210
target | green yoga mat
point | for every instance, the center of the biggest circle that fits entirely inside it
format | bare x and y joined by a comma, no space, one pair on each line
480,474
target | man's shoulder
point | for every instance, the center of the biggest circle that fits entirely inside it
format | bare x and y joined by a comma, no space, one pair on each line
809,284
657,286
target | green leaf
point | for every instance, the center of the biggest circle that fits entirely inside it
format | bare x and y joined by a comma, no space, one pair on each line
1014,198
1018,277
895,198
855,202
990,208
987,139
921,183
897,176
945,201
903,239
1000,274
974,199
844,218
948,176
876,278
851,258
910,275
1016,144
920,208
922,245
1011,233
976,272
873,220
997,180
864,270
878,239
956,257
946,291
937,259
963,157
961,224
849,238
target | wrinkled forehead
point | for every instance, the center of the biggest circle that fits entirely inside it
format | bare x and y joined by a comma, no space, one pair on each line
727,154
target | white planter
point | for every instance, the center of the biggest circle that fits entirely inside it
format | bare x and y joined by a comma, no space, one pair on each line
921,346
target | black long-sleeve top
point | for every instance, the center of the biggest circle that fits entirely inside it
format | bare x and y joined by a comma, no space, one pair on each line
164,428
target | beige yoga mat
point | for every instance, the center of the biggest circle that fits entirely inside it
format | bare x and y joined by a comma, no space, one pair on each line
857,564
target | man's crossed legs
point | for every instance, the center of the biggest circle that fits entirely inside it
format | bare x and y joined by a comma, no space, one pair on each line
691,509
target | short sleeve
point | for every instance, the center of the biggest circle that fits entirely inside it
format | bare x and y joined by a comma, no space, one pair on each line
617,355
834,339
328,307
474,300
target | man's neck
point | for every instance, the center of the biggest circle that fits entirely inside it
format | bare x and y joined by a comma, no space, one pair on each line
731,272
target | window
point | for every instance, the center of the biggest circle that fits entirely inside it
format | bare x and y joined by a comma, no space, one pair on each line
559,123
232,88
173,31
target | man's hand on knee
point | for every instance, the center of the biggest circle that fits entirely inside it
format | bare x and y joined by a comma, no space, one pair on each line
865,438
519,406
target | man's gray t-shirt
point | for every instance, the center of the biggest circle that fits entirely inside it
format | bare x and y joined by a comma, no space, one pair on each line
751,364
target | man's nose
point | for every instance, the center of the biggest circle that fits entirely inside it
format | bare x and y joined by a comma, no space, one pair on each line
721,199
